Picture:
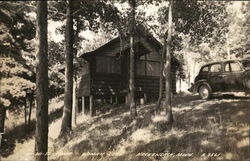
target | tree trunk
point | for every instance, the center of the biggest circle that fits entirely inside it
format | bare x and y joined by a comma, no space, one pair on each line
41,139
180,83
25,115
68,91
30,111
75,102
75,85
189,80
194,67
2,120
132,104
168,105
228,47
157,107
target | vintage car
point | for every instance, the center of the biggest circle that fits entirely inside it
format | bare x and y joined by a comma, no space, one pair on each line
223,76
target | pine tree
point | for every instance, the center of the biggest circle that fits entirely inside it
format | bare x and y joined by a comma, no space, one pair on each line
168,105
131,94
68,92
41,139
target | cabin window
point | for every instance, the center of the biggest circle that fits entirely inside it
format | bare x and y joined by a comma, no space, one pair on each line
153,68
108,64
140,70
149,68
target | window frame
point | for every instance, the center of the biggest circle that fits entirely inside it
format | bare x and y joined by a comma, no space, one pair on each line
230,67
221,67
206,66
111,57
146,72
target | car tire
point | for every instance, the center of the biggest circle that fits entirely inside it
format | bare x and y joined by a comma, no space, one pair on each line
204,92
247,86
246,82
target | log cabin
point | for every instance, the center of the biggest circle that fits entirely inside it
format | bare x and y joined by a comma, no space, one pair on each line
105,71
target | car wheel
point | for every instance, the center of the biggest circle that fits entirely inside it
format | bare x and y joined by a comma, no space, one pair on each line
204,92
246,83
247,86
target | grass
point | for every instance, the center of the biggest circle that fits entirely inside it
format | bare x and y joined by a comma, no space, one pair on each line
203,130
212,130
15,134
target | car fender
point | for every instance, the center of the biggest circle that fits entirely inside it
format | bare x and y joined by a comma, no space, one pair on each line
199,83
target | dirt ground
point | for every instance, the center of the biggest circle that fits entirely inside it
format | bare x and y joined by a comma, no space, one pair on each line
217,129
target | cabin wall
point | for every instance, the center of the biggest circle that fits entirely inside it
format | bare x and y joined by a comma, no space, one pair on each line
153,56
115,82
108,73
105,85
101,84
106,77
148,68
107,64
150,84
148,75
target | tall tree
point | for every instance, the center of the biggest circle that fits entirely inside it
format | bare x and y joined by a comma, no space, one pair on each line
41,140
68,93
77,44
131,94
168,105
157,107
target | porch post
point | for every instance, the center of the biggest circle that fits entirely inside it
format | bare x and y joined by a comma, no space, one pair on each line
145,97
116,99
83,104
91,105
111,100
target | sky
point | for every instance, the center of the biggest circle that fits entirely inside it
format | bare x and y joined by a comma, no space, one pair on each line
150,10
52,25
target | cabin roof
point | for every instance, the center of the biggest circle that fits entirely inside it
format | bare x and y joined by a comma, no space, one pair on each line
115,45
123,41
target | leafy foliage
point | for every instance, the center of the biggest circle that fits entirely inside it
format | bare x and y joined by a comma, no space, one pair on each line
238,28
56,69
89,14
17,30
198,21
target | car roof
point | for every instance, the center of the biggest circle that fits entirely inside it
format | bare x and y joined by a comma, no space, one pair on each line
223,61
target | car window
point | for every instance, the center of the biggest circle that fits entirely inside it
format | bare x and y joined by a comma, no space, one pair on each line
227,67
235,67
232,67
204,69
215,68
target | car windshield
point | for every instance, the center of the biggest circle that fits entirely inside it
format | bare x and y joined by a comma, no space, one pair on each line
246,63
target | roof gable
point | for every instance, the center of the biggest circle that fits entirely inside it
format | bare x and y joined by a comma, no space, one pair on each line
144,40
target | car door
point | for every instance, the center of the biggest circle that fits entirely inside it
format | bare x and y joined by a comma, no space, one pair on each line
215,77
233,76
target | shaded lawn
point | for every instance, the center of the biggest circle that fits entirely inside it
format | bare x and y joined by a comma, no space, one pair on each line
217,129
18,135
